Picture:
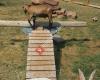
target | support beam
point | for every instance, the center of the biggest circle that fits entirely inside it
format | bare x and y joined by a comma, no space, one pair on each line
56,23
13,23
72,23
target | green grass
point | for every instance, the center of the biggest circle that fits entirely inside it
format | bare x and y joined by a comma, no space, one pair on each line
12,9
95,2
12,54
81,49
13,2
88,64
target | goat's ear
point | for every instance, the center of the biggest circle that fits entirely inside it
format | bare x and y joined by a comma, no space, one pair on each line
81,75
23,5
92,75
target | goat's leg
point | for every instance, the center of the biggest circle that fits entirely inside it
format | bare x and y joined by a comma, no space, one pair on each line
29,20
50,20
34,22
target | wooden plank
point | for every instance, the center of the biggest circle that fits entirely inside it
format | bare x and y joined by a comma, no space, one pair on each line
14,23
95,6
40,41
45,49
73,23
43,45
40,38
44,53
37,63
53,78
26,24
40,31
40,74
40,65
43,68
40,58
38,35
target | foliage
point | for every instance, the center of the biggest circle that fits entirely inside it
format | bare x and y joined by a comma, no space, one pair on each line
12,54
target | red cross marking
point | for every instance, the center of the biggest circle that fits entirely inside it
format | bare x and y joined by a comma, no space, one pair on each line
39,50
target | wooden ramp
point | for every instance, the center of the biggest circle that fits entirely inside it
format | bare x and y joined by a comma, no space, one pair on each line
40,56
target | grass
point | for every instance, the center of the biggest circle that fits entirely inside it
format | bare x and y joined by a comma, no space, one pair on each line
88,64
81,48
12,54
12,9
95,2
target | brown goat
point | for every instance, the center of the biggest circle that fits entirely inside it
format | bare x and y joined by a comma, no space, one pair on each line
33,11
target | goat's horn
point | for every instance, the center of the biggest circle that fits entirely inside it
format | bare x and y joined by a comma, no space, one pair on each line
92,75
81,75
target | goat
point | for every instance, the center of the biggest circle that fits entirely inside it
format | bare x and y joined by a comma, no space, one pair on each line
33,11
71,14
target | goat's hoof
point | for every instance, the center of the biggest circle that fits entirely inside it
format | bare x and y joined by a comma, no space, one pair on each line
33,28
48,28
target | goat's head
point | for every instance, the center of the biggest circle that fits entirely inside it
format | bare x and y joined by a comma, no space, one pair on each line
25,7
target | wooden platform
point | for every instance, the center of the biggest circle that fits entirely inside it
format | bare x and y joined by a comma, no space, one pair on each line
40,65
